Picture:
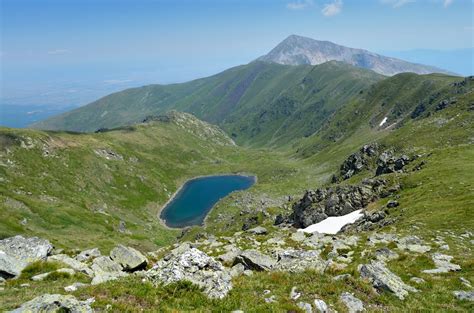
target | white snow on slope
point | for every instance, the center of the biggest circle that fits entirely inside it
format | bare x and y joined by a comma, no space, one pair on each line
383,121
333,224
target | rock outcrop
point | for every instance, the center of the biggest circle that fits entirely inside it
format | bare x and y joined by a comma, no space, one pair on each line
383,279
255,260
195,266
129,258
105,269
17,252
317,205
56,303
353,304
443,264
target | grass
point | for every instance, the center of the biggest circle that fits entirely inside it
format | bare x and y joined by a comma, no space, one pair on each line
76,198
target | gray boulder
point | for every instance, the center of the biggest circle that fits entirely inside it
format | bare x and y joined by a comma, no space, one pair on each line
195,266
321,306
105,269
305,307
300,260
40,277
56,303
17,252
443,264
464,295
259,230
72,263
352,304
254,260
88,254
383,279
129,258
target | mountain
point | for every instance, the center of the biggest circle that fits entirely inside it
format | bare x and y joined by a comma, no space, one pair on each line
257,103
298,50
103,191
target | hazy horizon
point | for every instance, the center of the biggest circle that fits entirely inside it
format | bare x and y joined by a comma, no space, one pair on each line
60,55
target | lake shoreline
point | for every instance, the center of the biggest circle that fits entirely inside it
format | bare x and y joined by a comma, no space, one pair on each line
173,196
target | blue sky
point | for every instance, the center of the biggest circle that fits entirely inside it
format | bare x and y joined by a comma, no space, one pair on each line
83,49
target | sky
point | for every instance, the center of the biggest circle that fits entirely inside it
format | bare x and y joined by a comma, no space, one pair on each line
70,52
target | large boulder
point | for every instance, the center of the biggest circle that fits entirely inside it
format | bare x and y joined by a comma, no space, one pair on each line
129,258
73,263
353,304
56,303
255,260
88,254
17,252
195,266
105,269
383,279
300,260
443,264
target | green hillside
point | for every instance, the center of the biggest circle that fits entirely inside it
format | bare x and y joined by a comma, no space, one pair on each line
258,103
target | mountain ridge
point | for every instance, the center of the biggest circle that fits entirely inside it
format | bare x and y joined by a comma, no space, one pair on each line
297,50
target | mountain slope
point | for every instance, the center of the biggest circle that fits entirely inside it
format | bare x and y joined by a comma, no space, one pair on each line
298,50
256,103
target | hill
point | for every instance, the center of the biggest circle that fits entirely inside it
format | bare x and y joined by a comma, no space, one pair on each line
255,103
298,50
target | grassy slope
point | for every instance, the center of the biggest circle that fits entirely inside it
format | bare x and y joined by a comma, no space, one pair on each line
61,195
258,103
435,200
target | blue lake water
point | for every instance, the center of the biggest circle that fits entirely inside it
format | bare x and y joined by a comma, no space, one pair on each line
197,196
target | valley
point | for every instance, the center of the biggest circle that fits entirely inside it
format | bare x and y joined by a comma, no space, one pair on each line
324,141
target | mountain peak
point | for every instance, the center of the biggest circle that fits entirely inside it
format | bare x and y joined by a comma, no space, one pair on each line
298,50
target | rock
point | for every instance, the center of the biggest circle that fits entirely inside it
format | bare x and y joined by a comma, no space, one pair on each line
417,280
74,287
306,307
392,204
74,264
237,270
294,294
270,299
88,254
229,256
129,258
383,238
321,306
298,236
357,162
443,264
195,266
300,260
254,260
413,244
352,304
122,227
464,295
56,303
259,230
17,252
465,282
342,277
383,279
105,264
385,254
105,269
317,205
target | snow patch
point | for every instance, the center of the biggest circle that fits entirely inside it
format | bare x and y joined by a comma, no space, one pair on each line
383,121
333,224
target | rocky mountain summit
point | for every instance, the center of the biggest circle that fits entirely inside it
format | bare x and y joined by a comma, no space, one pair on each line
298,50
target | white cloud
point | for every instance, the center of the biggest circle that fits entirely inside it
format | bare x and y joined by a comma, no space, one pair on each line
396,3
447,3
299,4
331,9
58,51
